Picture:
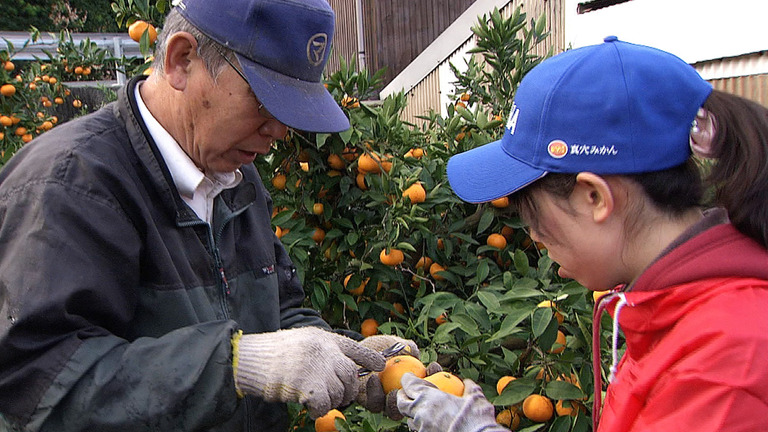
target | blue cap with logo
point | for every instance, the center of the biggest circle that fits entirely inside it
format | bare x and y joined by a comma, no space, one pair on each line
282,46
612,108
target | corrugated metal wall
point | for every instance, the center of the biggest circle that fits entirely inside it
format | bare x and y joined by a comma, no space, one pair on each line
345,36
752,87
744,75
395,32
426,95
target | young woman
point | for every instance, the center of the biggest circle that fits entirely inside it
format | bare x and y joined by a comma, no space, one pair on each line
597,156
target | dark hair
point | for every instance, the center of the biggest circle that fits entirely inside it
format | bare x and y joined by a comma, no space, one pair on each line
672,190
739,175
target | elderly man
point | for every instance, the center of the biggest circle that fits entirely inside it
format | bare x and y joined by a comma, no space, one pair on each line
141,285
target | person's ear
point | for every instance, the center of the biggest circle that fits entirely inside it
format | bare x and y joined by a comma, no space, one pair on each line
596,193
702,133
180,51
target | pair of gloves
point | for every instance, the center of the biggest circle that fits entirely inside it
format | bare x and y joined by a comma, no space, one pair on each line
320,370
315,367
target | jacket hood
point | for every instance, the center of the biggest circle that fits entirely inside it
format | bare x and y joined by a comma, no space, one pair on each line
710,258
720,251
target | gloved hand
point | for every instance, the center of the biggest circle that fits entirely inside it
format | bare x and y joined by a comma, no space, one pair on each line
432,410
371,395
381,342
307,365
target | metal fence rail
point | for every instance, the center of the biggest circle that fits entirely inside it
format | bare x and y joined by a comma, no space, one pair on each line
119,44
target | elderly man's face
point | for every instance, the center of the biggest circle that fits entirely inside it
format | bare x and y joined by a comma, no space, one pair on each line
226,129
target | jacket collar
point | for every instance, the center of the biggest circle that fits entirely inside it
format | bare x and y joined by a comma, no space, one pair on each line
157,170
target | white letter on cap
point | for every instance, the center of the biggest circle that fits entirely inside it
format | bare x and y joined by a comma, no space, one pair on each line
512,121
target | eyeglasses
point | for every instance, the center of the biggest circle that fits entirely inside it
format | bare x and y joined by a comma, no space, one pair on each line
262,110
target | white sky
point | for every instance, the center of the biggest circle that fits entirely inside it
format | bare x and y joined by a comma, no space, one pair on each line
694,30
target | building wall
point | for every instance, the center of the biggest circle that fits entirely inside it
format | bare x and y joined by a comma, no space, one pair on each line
745,75
393,32
434,90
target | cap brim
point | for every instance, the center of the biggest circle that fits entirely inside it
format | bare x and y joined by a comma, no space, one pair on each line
298,104
488,172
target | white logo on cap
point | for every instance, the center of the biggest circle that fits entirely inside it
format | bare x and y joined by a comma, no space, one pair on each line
316,48
512,120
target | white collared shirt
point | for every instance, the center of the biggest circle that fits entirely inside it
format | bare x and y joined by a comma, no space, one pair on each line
197,189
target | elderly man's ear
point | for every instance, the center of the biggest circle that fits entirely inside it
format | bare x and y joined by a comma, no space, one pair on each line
702,133
180,52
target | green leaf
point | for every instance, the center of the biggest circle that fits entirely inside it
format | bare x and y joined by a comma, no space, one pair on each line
465,113
549,335
443,332
489,300
483,269
346,135
561,424
320,139
541,24
485,221
406,247
509,324
352,238
348,301
466,324
541,319
515,392
563,390
521,262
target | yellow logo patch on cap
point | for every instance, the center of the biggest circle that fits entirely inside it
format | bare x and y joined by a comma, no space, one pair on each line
557,149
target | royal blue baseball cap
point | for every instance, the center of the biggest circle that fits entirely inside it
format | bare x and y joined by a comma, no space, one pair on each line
612,108
282,46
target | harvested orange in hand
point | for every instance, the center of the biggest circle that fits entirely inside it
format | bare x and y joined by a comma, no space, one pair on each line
393,258
327,423
538,408
448,383
398,366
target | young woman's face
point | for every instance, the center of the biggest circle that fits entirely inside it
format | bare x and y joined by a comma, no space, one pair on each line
586,250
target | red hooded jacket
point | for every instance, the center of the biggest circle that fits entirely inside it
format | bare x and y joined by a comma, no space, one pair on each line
696,329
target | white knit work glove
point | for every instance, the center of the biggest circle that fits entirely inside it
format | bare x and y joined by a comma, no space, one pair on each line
432,410
307,365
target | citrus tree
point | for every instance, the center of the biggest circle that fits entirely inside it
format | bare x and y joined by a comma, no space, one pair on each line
379,237
28,97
